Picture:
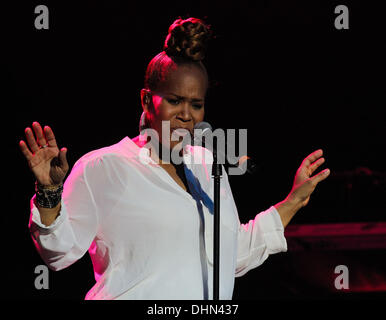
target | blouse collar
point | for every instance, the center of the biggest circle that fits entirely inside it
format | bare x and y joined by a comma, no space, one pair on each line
143,153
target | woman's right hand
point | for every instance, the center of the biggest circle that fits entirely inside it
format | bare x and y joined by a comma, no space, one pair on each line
48,164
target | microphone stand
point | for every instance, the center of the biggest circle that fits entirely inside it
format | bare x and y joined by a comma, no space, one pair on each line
246,164
216,174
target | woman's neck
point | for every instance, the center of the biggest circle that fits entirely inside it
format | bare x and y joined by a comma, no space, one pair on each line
154,155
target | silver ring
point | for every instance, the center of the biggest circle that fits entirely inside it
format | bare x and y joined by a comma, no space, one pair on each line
45,146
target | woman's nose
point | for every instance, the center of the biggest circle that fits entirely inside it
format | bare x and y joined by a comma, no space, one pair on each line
184,114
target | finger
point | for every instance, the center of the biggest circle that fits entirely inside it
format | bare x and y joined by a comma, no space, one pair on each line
50,137
312,157
24,149
39,134
31,140
63,158
316,165
320,176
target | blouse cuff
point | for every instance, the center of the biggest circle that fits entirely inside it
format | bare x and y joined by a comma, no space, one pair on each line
273,231
35,223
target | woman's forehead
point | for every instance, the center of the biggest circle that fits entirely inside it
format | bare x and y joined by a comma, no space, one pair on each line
185,79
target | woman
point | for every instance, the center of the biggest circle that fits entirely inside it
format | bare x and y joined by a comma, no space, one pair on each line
147,222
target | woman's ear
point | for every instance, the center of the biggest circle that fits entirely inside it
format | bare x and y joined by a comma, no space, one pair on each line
145,99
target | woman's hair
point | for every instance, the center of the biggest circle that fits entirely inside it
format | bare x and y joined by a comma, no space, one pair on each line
185,43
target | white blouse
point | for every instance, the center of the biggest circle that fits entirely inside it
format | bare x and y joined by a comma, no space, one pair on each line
146,236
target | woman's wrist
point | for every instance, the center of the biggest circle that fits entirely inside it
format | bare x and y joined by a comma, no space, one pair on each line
49,186
287,209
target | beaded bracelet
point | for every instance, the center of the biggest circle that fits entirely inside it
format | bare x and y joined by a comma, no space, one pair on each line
48,197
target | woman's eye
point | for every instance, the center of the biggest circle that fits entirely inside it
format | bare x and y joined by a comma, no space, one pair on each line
197,106
174,101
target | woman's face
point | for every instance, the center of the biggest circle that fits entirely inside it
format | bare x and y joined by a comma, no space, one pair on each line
179,99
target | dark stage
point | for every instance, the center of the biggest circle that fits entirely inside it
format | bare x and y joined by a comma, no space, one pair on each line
280,69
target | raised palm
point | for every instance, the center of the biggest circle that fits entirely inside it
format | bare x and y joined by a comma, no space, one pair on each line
304,184
47,162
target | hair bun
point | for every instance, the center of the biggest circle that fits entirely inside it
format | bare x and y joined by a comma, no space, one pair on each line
187,39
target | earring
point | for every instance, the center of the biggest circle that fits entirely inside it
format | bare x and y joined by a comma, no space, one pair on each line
146,98
142,122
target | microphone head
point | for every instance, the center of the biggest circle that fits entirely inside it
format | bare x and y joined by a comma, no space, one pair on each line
203,126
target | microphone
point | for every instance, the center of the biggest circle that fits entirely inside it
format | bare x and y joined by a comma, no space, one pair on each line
205,127
204,130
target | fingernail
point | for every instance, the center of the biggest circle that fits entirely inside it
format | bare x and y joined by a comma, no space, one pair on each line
327,171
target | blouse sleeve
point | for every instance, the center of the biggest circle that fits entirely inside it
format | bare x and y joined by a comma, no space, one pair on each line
68,238
259,238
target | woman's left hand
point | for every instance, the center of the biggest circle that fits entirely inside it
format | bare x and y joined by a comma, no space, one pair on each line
304,184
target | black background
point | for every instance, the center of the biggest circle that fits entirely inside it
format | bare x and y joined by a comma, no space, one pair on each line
278,68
